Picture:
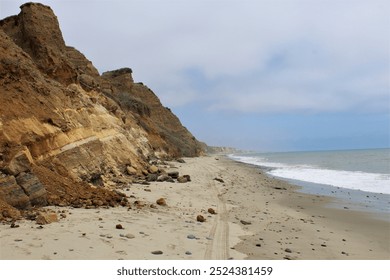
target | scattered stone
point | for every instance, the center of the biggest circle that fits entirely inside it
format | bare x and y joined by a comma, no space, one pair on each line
180,160
245,222
13,225
200,218
173,174
128,236
151,177
163,178
139,204
288,250
119,226
258,245
161,202
191,236
184,179
18,240
188,253
153,169
97,202
211,211
31,216
323,245
188,177
219,180
46,218
158,252
131,170
147,190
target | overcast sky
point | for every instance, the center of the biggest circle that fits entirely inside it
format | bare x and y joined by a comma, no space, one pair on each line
266,75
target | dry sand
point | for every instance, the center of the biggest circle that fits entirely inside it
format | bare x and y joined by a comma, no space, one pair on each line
257,218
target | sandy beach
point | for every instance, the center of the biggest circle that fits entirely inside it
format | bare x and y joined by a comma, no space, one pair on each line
256,217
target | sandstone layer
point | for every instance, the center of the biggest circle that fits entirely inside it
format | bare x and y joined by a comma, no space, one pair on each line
69,135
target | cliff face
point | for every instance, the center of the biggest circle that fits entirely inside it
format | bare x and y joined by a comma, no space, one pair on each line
66,132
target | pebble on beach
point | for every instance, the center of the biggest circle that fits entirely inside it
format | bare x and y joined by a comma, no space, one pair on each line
200,218
161,202
128,236
158,252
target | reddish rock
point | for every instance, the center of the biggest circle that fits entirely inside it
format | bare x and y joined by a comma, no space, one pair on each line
161,202
200,218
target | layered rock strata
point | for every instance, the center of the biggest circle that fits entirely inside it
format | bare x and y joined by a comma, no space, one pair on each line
67,133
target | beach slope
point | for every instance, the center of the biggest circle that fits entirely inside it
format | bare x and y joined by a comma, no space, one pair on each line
247,215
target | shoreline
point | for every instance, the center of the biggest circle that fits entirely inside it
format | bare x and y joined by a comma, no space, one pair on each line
298,225
376,204
258,217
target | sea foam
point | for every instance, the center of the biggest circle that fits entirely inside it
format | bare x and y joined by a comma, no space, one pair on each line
370,182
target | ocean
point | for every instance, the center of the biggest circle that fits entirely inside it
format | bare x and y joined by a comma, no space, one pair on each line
359,175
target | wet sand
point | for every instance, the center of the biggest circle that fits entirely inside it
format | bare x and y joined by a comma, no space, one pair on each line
257,217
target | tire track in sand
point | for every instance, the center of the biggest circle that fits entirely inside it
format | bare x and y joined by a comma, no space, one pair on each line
218,246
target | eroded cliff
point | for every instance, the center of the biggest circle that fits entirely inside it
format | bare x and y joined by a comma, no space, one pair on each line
67,133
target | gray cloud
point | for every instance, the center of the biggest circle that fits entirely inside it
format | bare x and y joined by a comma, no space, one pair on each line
254,56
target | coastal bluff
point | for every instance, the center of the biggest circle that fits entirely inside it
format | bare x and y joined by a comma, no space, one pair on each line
69,135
